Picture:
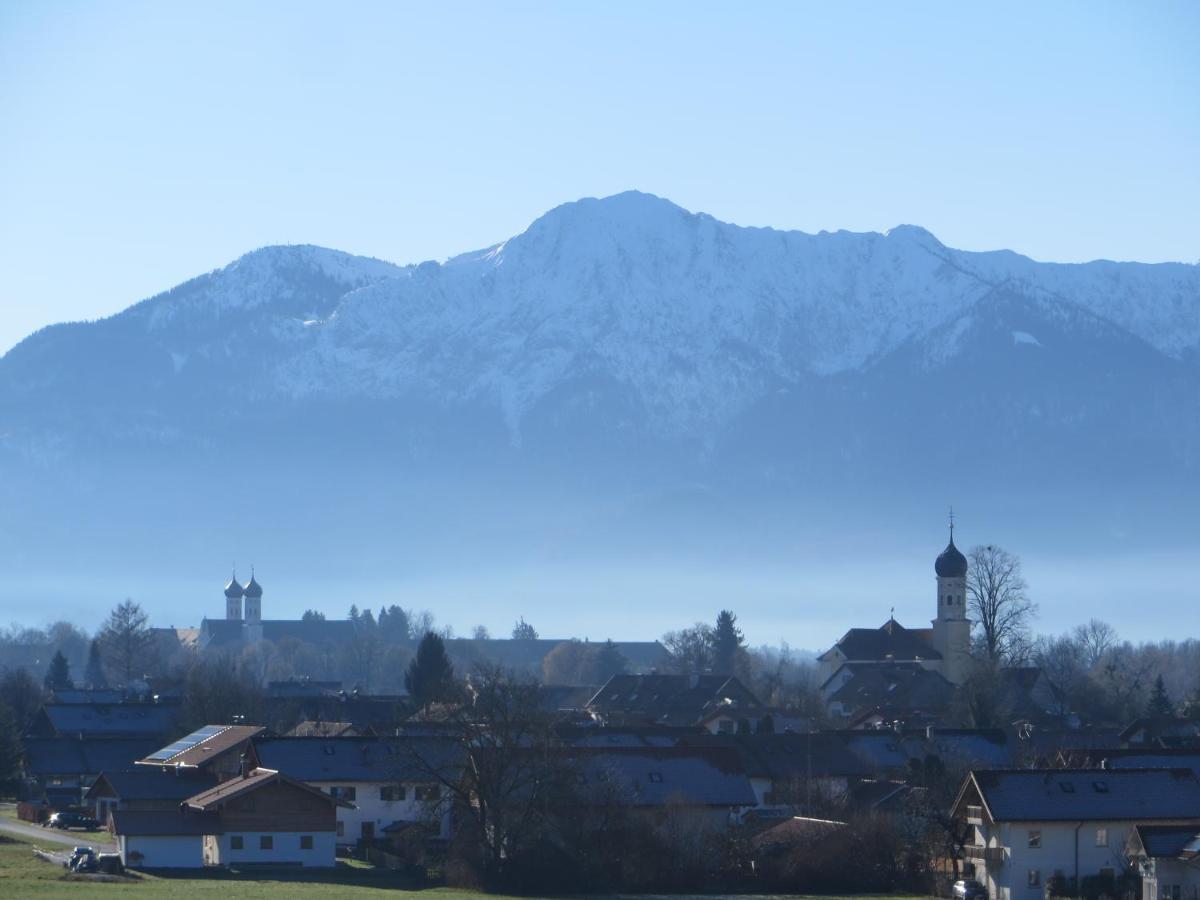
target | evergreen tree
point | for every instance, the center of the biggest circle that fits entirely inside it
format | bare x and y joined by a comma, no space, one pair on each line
94,673
727,644
1160,706
608,661
430,676
312,615
394,624
523,631
58,676
22,694
353,614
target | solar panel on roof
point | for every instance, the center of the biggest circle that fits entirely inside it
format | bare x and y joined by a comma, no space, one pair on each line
186,743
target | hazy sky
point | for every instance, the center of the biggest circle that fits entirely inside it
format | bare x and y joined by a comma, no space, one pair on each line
141,144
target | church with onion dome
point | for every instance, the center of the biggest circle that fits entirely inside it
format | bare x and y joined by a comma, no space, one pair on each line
916,666
244,624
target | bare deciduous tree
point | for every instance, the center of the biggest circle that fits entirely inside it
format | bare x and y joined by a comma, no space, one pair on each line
1095,639
999,603
127,642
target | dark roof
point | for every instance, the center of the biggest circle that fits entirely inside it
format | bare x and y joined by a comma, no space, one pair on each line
901,686
1163,731
233,589
698,776
1153,759
1056,795
106,719
151,822
369,759
201,746
1170,841
890,642
670,699
212,798
950,562
253,589
79,756
151,784
821,754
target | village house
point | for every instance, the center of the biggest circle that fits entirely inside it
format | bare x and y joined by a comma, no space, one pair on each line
387,783
1168,859
1028,826
720,702
258,817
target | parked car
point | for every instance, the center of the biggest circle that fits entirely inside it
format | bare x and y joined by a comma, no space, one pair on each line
969,889
68,820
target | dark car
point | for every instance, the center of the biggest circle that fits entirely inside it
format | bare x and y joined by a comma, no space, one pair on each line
969,889
68,820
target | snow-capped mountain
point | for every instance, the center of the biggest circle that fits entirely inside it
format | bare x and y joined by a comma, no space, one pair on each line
628,336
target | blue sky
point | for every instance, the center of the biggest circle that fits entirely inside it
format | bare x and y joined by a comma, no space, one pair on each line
141,144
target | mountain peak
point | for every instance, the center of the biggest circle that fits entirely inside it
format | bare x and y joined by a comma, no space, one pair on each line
915,234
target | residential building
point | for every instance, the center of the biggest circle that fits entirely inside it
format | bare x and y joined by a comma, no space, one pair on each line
1168,859
680,700
1031,825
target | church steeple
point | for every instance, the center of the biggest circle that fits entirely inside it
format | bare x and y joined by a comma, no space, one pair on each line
233,598
951,628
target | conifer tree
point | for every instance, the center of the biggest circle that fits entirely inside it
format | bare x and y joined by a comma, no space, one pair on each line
430,676
58,676
727,644
1160,706
94,672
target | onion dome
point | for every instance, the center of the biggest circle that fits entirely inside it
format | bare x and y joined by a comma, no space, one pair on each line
233,589
253,589
951,563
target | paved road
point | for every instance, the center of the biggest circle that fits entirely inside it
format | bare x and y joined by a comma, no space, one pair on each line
100,841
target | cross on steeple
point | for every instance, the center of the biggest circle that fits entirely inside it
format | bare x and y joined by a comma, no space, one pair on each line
951,524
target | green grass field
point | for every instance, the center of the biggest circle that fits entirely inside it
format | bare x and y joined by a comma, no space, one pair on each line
22,875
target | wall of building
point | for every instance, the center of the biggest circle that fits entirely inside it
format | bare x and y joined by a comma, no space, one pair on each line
285,849
162,851
370,807
1056,854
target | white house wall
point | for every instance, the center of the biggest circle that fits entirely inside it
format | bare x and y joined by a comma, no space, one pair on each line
286,849
368,807
162,851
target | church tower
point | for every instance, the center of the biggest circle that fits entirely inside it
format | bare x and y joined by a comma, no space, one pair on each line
253,593
233,599
951,628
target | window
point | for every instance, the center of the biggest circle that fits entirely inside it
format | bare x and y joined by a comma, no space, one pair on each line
1035,877
266,842
306,842
1035,840
1101,837
343,793
656,777
426,792
341,828
235,842
1101,787
1170,892
391,792
327,749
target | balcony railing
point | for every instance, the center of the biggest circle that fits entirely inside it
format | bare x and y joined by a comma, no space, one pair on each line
993,856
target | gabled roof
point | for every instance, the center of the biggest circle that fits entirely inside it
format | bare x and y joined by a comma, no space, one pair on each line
893,685
161,822
105,719
151,784
79,756
1057,795
1170,841
1153,759
695,776
202,746
358,759
891,641
670,699
822,754
213,798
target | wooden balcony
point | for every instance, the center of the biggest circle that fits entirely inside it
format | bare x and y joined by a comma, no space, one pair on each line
992,856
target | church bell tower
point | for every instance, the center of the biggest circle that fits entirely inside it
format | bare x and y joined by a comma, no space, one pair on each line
233,599
951,628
